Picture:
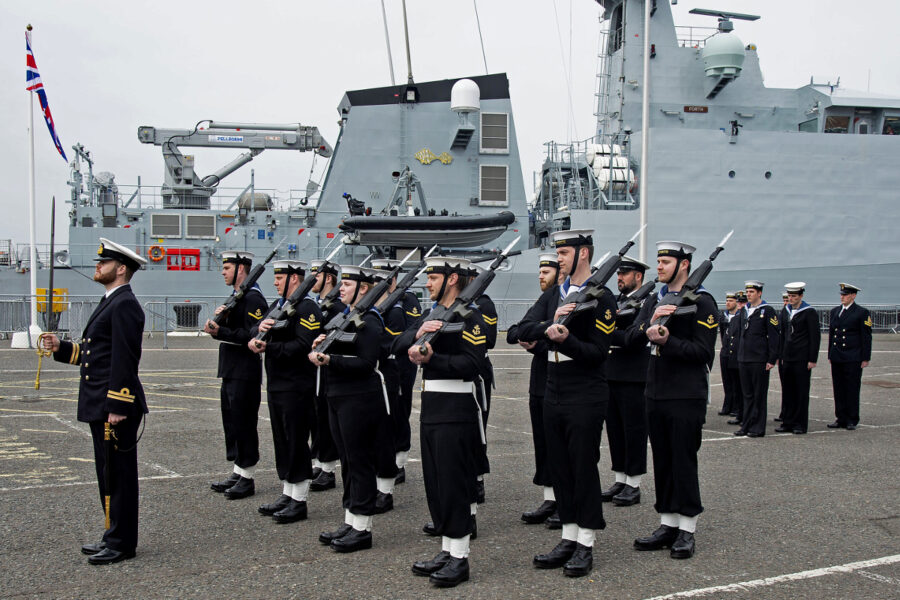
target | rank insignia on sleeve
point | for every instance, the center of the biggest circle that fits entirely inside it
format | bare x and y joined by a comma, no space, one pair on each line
711,319
607,315
476,330
774,321
311,318
256,315
868,322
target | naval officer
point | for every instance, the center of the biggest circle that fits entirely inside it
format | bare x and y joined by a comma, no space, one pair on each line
733,339
849,352
757,354
109,391
241,374
799,353
728,384
677,394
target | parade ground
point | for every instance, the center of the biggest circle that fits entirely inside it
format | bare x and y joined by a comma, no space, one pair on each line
786,516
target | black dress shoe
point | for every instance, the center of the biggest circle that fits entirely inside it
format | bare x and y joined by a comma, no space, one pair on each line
628,496
221,486
683,546
427,567
581,563
835,425
90,549
326,537
315,472
479,499
663,537
799,431
353,541
778,419
108,556
271,509
753,434
294,511
325,481
244,488
541,513
851,427
722,413
554,522
429,529
557,557
740,432
384,503
607,494
783,429
734,421
400,477
451,574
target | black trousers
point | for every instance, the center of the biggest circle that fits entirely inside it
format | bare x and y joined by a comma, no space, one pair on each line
626,427
386,455
846,378
402,431
735,399
676,430
795,379
323,446
541,468
573,449
354,427
240,412
755,385
449,469
289,413
122,534
484,401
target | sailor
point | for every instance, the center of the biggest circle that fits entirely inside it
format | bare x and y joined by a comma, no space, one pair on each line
449,422
241,374
356,404
324,451
757,354
849,352
733,339
548,279
626,417
109,391
486,378
725,318
681,356
290,388
783,319
386,469
800,339
575,401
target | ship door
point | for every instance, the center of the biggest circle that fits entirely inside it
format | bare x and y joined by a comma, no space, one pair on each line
863,126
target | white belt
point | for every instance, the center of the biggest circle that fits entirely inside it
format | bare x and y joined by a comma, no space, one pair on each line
557,357
451,386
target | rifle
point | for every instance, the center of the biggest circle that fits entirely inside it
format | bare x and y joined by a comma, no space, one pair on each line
689,291
287,310
595,286
632,304
245,287
460,307
405,283
337,327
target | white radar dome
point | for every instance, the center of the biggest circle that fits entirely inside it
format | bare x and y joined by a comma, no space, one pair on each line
723,55
465,96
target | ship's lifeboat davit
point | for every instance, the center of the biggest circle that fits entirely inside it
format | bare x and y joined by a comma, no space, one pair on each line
463,231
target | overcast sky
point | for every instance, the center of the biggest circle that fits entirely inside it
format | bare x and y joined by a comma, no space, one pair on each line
109,67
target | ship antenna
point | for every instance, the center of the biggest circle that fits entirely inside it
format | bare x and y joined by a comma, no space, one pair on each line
387,40
480,38
406,35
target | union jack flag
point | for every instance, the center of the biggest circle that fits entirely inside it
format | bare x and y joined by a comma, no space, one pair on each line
33,84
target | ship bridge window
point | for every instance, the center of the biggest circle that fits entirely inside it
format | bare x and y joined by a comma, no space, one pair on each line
837,124
493,185
810,126
494,133
200,226
891,126
165,225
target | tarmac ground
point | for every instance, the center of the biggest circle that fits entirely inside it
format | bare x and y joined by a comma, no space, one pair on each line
786,516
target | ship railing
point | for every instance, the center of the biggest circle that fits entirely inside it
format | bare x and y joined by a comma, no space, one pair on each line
689,36
150,197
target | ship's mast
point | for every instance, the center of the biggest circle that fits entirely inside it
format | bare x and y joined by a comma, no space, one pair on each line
645,135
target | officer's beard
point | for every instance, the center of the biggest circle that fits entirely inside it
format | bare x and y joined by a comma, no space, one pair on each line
105,277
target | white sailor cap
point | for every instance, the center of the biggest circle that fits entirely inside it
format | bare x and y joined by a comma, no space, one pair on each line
288,267
572,237
753,285
384,264
446,265
318,264
631,264
237,257
731,295
548,259
354,273
849,288
674,249
110,250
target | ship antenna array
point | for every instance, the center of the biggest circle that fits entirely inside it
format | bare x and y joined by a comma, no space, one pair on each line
406,35
480,38
725,17
387,39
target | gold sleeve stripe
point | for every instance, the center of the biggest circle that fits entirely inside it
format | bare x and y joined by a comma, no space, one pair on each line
868,322
774,322
392,332
76,354
123,395
604,327
489,320
474,339
309,323
413,313
475,342
310,326
707,325
257,317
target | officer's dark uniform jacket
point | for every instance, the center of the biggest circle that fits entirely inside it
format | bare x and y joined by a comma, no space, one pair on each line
236,361
760,336
725,320
850,335
732,339
351,369
628,353
287,368
800,335
680,368
108,354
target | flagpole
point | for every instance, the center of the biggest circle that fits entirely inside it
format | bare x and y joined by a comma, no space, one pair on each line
31,218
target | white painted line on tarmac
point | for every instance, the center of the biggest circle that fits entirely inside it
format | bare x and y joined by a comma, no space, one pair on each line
745,586
879,578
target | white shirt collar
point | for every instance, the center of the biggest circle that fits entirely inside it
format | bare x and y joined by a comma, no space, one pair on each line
109,292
